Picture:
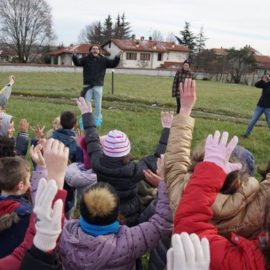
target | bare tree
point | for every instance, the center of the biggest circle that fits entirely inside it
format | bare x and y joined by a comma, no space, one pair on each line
25,24
170,37
92,33
157,35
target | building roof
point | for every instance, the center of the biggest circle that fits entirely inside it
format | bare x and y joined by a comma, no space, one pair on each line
148,45
80,49
263,61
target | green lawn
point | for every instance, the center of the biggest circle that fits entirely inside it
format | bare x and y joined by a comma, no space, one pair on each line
130,108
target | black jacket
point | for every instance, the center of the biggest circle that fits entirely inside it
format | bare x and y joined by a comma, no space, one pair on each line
264,100
123,177
94,68
37,259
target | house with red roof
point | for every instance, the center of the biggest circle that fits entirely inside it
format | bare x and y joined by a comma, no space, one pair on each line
149,54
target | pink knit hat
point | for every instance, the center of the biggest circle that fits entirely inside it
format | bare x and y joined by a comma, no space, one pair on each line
116,144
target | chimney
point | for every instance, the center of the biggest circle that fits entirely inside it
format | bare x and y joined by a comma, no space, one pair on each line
150,38
133,37
142,38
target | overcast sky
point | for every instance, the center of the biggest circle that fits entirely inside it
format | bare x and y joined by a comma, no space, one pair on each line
226,23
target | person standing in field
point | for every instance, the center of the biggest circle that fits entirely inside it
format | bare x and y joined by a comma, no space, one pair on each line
263,105
180,76
94,68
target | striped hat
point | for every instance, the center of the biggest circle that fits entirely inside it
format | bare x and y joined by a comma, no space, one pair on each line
116,144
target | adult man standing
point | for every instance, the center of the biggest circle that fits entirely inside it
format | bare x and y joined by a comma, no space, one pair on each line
180,76
94,68
263,105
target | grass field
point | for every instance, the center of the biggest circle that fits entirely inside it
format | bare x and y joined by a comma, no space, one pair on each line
136,106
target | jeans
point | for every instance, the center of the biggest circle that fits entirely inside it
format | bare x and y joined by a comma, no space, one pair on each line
95,93
256,115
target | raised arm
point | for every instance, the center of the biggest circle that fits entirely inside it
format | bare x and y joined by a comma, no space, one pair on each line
177,156
194,211
77,61
112,63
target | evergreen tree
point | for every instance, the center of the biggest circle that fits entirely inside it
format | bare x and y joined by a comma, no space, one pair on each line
187,38
92,33
126,28
107,32
118,28
200,41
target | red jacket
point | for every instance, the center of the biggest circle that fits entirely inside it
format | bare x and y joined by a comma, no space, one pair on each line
194,213
14,260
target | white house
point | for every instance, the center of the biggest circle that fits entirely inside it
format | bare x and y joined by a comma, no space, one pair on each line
147,53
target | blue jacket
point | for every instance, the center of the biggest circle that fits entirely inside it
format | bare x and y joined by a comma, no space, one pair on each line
66,137
15,214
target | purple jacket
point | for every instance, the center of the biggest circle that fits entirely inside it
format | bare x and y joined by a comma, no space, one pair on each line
115,251
80,178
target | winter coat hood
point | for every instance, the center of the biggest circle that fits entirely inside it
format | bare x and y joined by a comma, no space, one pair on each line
5,120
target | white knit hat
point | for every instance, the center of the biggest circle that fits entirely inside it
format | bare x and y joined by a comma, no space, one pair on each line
116,144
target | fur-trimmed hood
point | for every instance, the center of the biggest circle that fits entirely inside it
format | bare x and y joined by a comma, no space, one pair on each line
12,208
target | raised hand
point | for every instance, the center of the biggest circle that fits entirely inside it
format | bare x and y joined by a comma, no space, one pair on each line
23,125
188,96
219,152
36,155
11,79
48,224
84,106
166,119
56,159
188,253
39,132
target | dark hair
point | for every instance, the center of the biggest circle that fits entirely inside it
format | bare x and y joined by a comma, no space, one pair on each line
264,172
100,204
7,147
13,170
94,45
127,158
68,120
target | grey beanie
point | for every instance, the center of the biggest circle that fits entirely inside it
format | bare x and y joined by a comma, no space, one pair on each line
246,157
5,120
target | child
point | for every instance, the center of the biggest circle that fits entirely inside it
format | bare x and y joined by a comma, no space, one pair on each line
5,92
98,241
66,134
113,163
15,209
7,130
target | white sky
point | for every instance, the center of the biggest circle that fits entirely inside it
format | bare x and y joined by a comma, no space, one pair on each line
226,23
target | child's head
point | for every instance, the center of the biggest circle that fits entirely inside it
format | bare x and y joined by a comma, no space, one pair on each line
68,120
99,204
56,123
14,175
234,179
7,147
6,125
116,144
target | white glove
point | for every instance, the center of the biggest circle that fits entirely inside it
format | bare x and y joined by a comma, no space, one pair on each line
48,224
188,253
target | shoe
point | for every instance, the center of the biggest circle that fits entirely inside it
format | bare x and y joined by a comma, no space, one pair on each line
245,136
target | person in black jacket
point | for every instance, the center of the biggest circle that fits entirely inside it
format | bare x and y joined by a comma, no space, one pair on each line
94,68
113,163
263,105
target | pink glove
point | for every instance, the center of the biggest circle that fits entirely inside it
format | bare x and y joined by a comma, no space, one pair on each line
84,106
218,151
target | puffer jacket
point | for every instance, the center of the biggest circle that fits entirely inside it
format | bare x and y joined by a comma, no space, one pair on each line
239,212
115,251
14,220
194,213
123,177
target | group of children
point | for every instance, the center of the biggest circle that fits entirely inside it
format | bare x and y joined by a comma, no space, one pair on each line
209,197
